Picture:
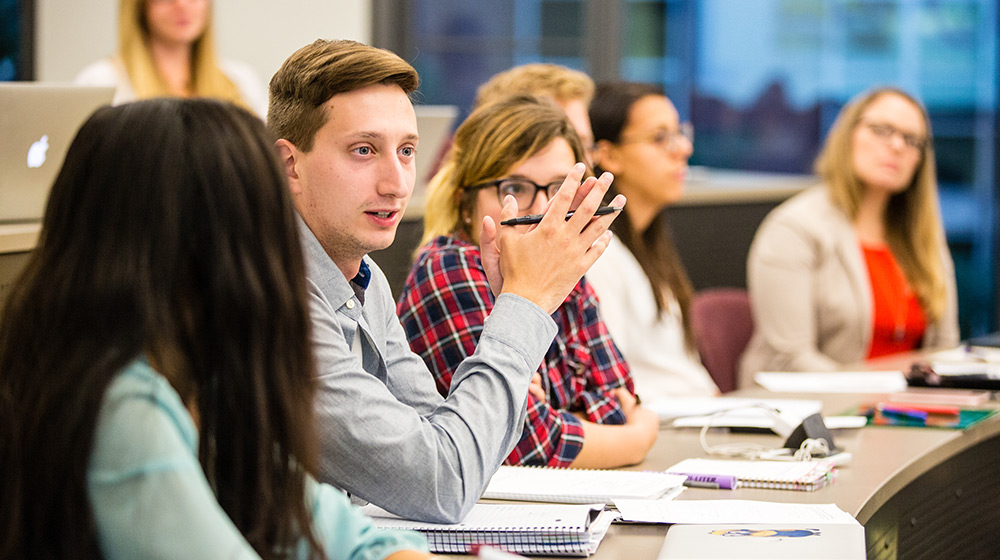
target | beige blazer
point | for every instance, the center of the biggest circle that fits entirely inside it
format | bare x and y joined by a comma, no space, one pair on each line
810,292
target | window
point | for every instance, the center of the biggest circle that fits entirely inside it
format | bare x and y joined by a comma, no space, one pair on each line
16,40
761,81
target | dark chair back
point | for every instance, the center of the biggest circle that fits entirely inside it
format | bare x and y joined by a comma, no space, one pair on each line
722,325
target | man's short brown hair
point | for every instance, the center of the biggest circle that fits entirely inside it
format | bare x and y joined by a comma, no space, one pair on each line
556,82
317,72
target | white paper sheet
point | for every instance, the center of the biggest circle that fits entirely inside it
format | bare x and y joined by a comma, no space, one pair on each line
730,411
832,382
729,511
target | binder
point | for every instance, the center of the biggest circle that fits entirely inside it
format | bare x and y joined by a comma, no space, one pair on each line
537,529
578,486
774,475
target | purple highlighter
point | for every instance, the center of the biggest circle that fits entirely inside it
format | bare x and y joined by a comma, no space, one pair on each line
709,480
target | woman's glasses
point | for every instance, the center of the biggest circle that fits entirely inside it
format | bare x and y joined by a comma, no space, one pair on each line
665,138
886,131
524,191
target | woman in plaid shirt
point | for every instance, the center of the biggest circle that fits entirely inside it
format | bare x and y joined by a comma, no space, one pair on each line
521,147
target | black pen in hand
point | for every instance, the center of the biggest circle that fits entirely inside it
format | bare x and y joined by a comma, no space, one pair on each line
535,218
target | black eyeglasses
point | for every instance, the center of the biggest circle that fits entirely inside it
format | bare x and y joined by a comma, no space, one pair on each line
887,131
524,191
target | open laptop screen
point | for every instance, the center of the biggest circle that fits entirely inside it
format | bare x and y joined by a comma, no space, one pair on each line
37,123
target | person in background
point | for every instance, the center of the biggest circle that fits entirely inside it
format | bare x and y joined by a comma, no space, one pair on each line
155,356
347,138
521,147
570,89
856,267
167,48
641,283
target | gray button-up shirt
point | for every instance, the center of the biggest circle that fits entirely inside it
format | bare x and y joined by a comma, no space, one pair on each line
386,435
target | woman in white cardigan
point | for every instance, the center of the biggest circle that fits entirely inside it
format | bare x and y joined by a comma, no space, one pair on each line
857,267
643,288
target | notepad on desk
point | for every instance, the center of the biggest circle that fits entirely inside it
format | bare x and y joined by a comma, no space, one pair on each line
775,475
542,529
577,486
730,411
832,382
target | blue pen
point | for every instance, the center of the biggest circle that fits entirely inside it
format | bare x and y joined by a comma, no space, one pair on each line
910,413
709,480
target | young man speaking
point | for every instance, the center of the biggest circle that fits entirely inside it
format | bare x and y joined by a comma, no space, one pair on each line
347,136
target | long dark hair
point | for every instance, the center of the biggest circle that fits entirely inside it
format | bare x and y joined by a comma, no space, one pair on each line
169,233
653,247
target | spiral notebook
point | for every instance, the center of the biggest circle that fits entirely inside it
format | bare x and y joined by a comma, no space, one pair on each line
539,529
578,486
774,475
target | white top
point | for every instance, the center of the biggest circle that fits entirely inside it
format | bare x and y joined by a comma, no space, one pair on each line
653,344
109,72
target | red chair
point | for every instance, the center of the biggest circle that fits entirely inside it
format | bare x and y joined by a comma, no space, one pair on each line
722,325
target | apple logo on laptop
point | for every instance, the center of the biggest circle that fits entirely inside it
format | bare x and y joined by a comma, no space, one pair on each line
36,153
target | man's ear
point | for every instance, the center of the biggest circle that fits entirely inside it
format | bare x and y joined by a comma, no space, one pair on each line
606,155
289,154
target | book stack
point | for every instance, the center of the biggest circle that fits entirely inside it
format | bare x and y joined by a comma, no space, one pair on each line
537,529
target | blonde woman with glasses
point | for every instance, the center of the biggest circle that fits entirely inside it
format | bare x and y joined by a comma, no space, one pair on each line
586,414
166,48
857,267
644,290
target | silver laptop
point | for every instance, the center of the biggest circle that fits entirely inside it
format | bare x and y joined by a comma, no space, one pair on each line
434,123
37,124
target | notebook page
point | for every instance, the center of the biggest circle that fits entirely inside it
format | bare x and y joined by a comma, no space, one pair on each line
577,485
832,382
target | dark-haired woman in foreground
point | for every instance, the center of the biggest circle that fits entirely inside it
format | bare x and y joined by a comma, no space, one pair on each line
155,398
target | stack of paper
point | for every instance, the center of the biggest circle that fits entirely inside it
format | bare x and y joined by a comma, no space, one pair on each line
832,382
729,511
731,411
542,529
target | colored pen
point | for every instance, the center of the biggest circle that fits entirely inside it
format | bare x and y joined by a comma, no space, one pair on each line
903,412
535,218
709,480
928,408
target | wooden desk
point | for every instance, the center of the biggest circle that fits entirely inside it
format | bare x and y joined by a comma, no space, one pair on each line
919,492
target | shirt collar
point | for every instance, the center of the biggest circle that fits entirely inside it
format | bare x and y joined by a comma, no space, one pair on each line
320,268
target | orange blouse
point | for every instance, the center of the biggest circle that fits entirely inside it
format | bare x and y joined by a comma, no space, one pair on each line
899,321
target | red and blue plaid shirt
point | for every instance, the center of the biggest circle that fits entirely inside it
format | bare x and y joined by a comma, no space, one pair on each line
442,308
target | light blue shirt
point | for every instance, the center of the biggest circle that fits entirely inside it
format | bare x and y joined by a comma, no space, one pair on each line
151,499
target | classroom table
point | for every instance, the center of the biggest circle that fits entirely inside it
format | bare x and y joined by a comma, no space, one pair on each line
919,492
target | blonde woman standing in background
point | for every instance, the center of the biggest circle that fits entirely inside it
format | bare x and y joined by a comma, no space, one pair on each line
857,267
167,48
